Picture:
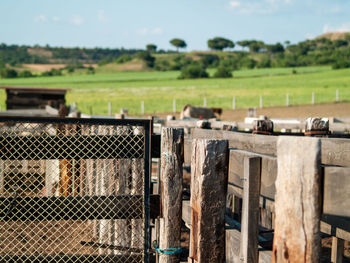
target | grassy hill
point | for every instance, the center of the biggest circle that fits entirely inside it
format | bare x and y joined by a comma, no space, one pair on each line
158,89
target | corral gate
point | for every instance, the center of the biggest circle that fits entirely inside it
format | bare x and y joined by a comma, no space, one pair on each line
74,190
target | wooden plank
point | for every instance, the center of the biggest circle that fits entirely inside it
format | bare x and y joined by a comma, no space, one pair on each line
71,147
257,143
171,194
268,171
208,200
336,191
297,206
335,151
337,250
233,236
75,208
250,210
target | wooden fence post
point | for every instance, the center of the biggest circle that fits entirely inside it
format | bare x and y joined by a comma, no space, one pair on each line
297,200
337,250
250,211
172,158
209,164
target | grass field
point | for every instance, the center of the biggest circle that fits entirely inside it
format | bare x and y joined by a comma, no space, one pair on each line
158,89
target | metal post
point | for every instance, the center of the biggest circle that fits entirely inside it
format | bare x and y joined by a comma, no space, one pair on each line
313,98
234,102
261,102
205,102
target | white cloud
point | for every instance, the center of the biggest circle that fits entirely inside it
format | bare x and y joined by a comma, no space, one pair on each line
147,31
101,16
342,28
309,36
235,4
56,19
258,7
77,20
157,31
40,19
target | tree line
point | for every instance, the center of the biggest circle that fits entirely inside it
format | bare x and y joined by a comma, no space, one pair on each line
248,54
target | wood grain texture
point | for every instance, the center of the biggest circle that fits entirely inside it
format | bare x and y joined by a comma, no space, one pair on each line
172,158
297,203
250,210
208,200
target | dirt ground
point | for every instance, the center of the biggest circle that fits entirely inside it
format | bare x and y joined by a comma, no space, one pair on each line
300,111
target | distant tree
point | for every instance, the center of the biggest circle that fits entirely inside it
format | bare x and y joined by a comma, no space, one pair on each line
223,72
256,46
243,43
287,43
275,48
193,71
147,58
25,74
151,48
8,73
220,43
178,43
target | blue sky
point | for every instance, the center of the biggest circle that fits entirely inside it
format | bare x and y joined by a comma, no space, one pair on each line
135,23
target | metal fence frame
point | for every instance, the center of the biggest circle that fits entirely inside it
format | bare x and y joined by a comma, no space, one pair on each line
146,124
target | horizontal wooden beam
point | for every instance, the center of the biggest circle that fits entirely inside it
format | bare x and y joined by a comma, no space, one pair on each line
336,194
334,151
268,171
76,208
71,147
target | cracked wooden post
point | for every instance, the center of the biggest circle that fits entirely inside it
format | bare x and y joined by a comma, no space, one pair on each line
250,211
172,158
209,164
297,201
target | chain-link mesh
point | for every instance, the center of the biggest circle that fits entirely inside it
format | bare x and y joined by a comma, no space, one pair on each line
72,192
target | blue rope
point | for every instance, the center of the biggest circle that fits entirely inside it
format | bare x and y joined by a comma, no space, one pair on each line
166,251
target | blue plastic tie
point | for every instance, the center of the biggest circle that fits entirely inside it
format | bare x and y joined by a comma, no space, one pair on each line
166,251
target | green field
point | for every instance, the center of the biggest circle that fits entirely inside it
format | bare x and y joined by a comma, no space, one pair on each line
158,89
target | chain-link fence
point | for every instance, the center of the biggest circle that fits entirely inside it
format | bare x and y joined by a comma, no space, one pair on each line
73,190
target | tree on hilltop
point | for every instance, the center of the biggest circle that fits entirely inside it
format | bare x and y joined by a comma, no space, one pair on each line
151,48
178,43
220,43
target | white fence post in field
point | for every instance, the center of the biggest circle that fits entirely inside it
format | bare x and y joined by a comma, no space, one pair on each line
205,102
174,105
313,98
261,102
287,100
234,102
109,108
142,107
337,95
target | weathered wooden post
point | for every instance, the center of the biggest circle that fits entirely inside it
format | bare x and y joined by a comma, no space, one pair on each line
250,210
337,250
209,164
297,200
172,158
